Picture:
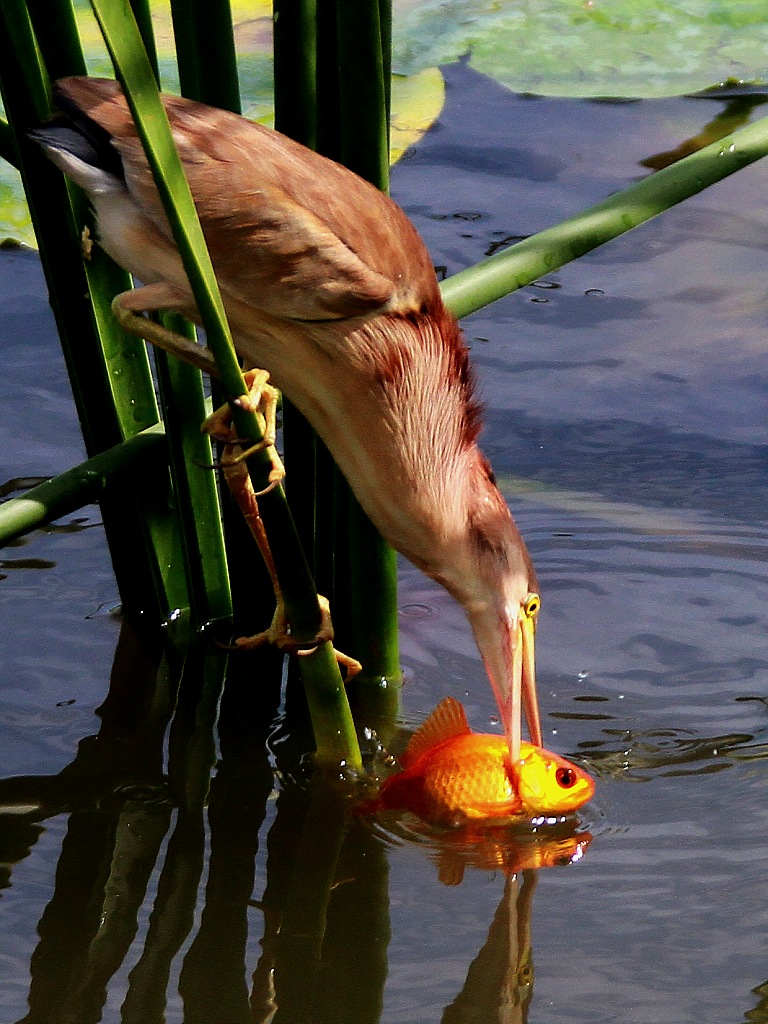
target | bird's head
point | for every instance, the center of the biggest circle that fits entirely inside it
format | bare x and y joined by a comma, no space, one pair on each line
492,575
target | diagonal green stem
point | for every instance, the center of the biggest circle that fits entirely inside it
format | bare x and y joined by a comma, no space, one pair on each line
80,485
492,279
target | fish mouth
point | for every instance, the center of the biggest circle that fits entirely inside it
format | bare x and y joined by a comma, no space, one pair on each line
508,650
537,800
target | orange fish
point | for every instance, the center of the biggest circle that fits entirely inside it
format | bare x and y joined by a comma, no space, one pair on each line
451,774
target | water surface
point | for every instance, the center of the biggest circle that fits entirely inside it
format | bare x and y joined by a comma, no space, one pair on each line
626,421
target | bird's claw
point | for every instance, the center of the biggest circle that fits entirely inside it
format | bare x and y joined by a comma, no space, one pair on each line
262,399
278,634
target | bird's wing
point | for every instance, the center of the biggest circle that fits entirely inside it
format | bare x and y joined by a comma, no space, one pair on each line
289,231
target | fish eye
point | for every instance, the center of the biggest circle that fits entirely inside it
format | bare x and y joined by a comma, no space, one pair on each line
531,606
566,777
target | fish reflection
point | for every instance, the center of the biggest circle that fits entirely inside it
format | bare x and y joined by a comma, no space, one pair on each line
501,849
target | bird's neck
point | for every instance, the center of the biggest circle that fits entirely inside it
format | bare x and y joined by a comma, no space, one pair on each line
409,423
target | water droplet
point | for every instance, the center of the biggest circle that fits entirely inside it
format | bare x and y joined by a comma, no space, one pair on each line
417,611
494,719
594,292
539,298
583,675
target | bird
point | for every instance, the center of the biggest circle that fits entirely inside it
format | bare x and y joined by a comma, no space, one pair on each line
327,286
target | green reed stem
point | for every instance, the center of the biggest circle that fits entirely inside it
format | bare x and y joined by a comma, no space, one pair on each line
206,58
295,51
295,69
146,452
363,35
363,92
205,52
194,483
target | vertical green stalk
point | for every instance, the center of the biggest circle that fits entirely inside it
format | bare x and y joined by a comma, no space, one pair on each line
363,93
296,55
364,33
205,52
332,58
194,483
206,58
108,370
295,69
143,15
189,451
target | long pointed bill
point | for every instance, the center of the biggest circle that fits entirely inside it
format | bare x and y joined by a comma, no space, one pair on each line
508,651
530,695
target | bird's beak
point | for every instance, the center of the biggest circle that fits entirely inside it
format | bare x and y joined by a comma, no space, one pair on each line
507,647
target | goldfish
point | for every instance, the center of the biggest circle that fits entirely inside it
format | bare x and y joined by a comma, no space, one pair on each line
451,775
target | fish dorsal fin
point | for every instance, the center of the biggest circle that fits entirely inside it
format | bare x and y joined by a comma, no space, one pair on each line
446,721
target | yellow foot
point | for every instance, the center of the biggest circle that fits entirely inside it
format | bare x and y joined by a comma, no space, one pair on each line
262,399
279,635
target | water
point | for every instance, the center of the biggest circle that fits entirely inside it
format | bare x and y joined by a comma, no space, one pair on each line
626,420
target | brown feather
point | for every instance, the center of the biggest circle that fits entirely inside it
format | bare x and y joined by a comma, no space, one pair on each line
292,232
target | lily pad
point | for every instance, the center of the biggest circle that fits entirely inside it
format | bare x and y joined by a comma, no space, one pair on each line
416,104
589,48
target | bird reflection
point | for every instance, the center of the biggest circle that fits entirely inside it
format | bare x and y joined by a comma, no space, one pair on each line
499,983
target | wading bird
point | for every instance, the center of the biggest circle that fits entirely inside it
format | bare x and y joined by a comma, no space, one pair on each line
328,287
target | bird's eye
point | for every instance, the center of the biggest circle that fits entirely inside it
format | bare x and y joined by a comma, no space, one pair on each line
566,777
531,606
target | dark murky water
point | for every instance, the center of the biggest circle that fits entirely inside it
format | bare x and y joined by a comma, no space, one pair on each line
626,409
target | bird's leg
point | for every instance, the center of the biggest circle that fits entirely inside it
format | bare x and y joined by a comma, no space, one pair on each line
262,399
128,306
